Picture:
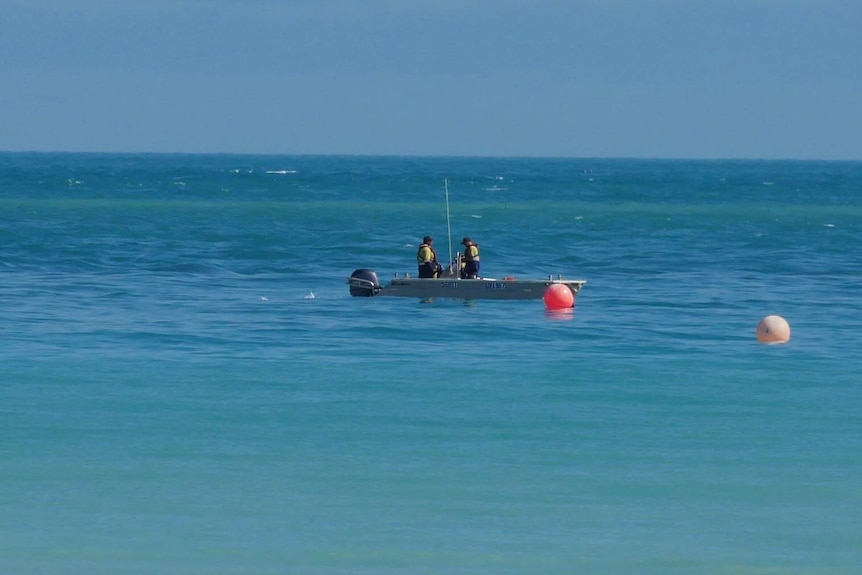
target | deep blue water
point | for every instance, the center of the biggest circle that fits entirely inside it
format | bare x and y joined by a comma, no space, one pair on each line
186,385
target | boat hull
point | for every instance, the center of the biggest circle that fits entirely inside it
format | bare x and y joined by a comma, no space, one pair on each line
364,283
484,288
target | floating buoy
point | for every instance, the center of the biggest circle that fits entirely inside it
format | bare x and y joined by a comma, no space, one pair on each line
558,296
773,329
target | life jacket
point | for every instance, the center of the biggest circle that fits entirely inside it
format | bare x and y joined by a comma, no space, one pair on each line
420,259
470,254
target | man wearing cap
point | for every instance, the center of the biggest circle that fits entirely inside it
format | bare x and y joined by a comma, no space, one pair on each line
471,259
426,257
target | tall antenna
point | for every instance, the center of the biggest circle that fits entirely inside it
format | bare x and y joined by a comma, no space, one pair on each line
448,222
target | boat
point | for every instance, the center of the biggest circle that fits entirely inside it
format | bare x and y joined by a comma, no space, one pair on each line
364,282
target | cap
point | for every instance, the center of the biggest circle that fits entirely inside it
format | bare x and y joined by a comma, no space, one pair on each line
427,240
465,241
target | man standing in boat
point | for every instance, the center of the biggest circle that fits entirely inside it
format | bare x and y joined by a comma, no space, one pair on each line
426,257
471,259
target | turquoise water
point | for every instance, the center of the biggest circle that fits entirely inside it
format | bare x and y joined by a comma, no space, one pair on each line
187,386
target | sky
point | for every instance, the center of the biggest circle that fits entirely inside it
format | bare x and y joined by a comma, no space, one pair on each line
759,79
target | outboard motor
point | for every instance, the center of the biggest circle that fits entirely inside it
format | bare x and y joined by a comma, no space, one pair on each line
363,283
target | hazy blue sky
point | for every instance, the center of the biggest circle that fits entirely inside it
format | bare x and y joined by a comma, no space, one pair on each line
608,78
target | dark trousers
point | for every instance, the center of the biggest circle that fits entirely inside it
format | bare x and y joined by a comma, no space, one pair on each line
428,269
470,271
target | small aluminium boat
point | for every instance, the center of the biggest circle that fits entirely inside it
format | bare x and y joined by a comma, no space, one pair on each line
364,283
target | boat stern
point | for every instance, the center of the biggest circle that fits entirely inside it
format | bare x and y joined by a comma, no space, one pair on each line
363,283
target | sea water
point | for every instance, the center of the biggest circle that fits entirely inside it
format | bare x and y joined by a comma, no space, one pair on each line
186,385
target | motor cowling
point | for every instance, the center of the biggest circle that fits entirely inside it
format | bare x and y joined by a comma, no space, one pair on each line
363,283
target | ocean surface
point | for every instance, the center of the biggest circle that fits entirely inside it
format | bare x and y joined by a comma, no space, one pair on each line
186,385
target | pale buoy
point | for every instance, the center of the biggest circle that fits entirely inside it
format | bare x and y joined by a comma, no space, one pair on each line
558,296
773,329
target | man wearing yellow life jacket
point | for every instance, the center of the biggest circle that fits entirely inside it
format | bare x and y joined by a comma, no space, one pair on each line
471,259
426,257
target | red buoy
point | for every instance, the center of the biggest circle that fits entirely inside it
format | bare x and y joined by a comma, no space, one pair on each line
558,296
